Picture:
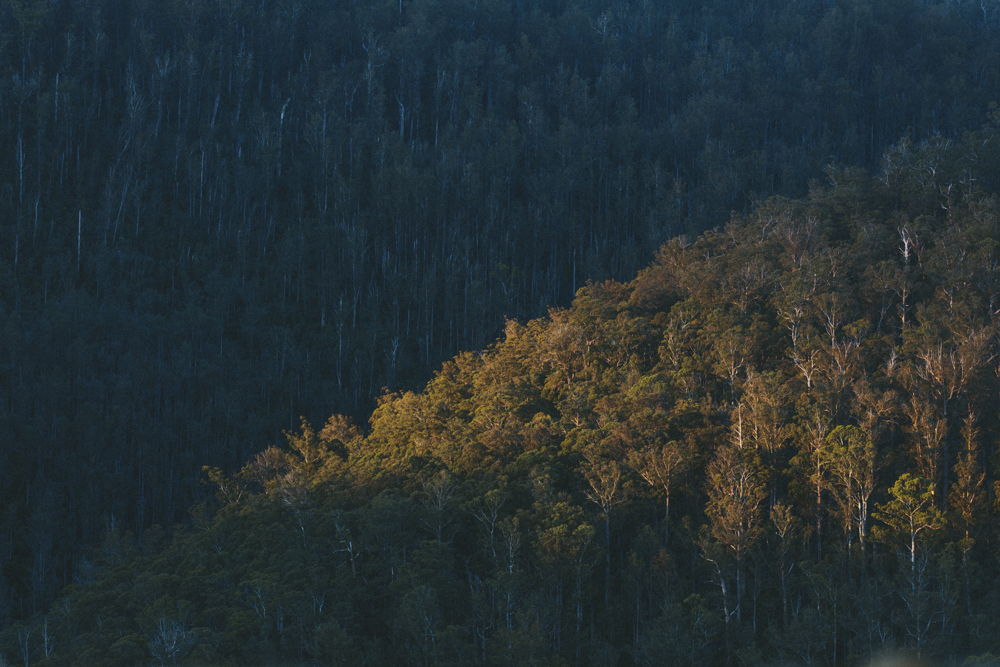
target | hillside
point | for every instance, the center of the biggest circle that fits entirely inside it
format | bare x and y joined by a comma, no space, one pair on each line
217,216
775,444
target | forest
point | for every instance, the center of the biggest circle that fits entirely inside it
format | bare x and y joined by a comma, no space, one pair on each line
775,445
748,235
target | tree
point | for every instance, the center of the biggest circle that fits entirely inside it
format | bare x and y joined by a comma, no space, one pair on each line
438,490
562,542
851,460
661,462
604,479
736,490
814,428
909,514
785,528
930,431
170,642
763,422
966,497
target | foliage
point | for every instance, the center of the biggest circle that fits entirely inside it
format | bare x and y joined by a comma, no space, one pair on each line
254,211
675,469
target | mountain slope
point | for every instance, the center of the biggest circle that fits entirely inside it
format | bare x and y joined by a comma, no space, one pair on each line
775,443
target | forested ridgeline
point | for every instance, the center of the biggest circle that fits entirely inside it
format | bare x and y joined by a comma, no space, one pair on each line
218,216
776,445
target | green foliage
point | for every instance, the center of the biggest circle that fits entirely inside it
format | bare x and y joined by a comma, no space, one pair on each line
910,513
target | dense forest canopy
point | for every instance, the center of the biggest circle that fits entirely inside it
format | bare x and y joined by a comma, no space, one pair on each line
217,217
775,445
